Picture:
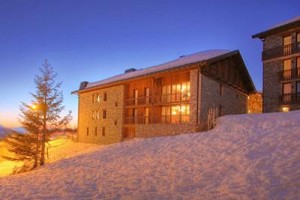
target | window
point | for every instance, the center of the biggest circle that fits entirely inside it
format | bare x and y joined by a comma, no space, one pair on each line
116,122
298,92
298,41
166,93
103,131
298,87
116,104
298,67
135,115
87,131
95,130
286,88
185,91
286,92
98,114
98,98
136,96
166,114
176,92
220,110
185,113
104,96
221,90
176,114
285,109
147,94
175,117
287,45
287,72
146,115
104,114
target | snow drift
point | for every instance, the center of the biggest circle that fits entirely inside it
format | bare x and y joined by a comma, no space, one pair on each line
244,157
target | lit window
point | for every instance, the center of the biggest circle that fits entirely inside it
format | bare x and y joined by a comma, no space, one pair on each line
285,109
287,47
136,96
98,97
166,114
185,113
287,69
146,115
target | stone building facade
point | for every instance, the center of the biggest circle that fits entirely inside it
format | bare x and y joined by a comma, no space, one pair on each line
168,99
281,66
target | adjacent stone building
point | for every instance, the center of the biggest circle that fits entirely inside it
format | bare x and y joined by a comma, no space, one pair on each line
281,66
168,99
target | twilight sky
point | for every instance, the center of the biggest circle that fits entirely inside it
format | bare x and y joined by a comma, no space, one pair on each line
95,39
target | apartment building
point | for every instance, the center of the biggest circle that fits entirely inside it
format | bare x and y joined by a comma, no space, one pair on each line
167,99
281,66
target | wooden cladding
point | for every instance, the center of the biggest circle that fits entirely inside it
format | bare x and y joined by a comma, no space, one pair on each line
146,98
228,72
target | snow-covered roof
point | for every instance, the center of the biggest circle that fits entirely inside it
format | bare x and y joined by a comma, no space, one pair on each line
181,61
278,27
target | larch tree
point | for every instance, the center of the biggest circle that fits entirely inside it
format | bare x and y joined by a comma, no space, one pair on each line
40,118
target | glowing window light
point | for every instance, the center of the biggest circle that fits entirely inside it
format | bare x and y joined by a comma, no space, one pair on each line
285,109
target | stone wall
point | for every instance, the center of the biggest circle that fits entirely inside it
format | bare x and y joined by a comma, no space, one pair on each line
91,122
153,130
272,41
271,86
230,101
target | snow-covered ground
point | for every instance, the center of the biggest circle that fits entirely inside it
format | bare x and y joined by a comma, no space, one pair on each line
244,157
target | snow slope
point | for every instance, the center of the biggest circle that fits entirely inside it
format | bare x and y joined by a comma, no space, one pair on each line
244,157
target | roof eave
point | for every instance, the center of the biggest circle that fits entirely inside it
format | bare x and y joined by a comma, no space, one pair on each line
271,31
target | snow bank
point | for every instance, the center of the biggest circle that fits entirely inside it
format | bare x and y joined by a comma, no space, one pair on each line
244,157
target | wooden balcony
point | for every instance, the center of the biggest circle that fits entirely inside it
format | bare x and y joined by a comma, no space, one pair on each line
286,75
293,98
281,51
158,99
183,118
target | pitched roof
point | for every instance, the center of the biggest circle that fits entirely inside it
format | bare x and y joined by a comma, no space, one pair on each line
182,61
294,22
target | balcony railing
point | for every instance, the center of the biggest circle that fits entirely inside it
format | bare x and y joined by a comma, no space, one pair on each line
285,75
158,99
281,51
293,98
183,118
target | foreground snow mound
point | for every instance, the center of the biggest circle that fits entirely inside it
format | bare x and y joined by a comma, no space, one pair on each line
244,157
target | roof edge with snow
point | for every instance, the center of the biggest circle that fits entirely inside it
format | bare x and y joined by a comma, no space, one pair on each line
181,62
291,23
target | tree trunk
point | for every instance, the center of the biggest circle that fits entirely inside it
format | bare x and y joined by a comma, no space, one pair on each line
43,137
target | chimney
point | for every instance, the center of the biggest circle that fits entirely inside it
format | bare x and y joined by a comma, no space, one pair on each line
130,70
83,85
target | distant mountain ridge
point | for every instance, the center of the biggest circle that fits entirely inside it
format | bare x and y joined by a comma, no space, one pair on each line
5,131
